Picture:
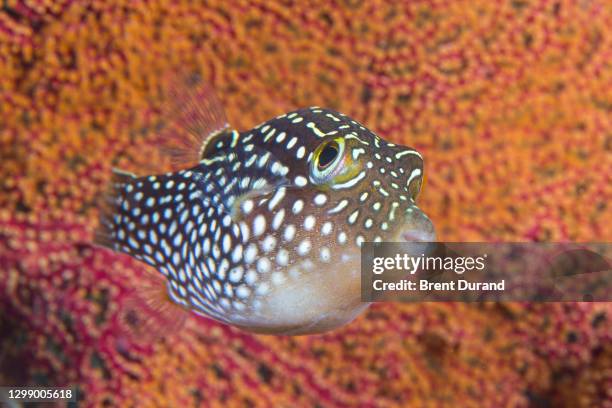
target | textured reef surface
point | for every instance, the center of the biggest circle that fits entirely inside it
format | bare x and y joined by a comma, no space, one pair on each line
509,101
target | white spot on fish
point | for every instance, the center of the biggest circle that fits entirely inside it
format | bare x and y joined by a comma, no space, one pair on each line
309,222
237,253
247,206
263,265
268,244
282,257
251,277
289,232
325,254
353,217
300,152
320,199
292,142
300,181
298,206
359,240
327,227
227,243
339,207
250,253
259,225
304,247
277,197
278,219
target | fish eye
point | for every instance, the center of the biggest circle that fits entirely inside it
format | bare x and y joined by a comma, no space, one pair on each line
326,160
327,155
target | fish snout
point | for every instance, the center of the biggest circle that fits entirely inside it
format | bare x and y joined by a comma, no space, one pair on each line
417,226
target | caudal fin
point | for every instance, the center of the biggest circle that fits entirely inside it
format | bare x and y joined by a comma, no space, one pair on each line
148,312
110,209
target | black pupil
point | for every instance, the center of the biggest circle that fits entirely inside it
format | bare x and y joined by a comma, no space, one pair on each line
328,154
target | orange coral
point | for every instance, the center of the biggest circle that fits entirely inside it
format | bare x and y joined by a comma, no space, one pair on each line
509,101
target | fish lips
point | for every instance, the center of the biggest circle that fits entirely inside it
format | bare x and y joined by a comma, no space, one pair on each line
417,226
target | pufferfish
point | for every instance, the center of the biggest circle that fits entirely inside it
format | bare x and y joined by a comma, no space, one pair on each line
263,230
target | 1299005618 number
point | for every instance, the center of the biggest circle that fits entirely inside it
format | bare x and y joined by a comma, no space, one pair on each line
37,394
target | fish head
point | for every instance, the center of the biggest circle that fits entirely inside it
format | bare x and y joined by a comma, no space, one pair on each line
344,185
348,175
379,182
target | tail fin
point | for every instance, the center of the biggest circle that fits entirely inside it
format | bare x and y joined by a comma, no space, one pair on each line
148,312
109,207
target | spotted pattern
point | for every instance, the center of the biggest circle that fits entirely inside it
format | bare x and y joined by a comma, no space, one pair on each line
256,212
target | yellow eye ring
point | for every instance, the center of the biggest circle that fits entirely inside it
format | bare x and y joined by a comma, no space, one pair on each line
327,160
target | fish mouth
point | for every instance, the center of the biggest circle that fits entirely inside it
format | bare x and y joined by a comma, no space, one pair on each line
417,226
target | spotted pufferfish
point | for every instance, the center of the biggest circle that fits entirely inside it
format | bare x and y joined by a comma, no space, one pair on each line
263,230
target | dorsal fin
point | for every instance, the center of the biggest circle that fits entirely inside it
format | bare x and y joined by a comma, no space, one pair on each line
191,115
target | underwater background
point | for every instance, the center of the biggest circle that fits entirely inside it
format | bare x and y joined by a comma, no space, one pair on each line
510,103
